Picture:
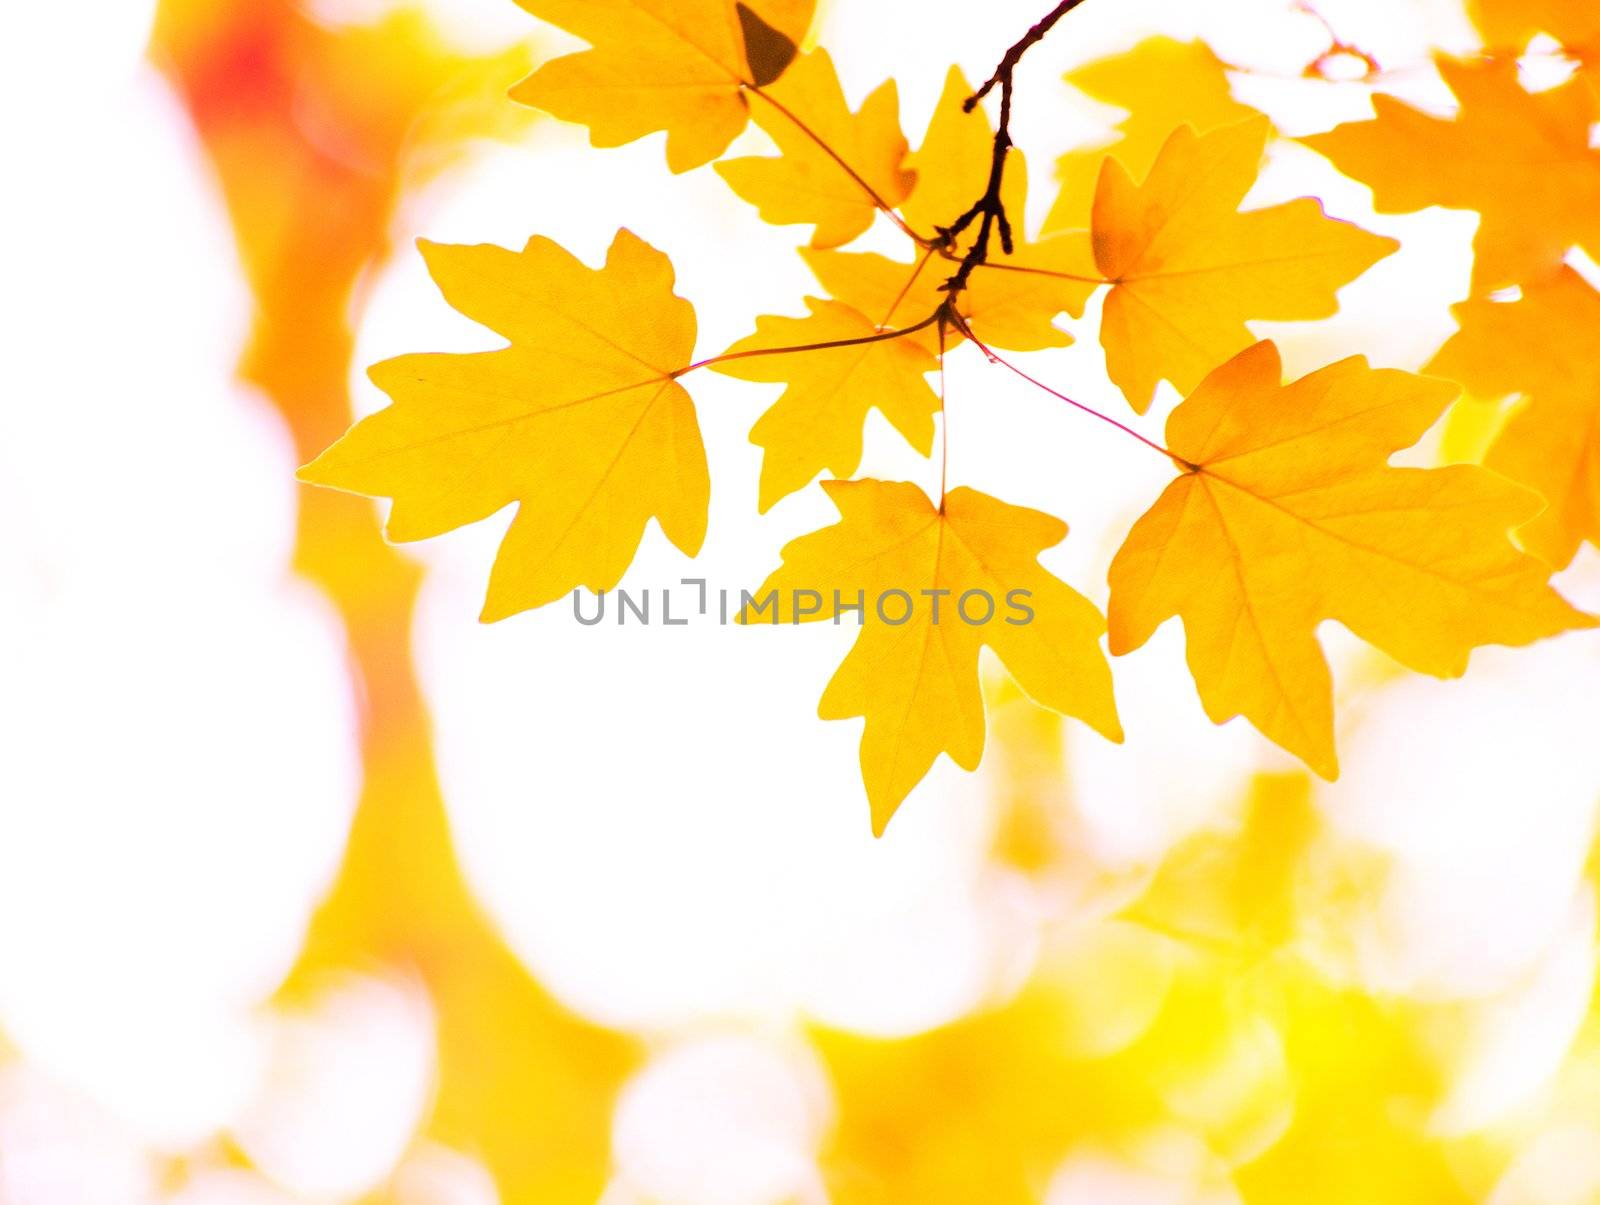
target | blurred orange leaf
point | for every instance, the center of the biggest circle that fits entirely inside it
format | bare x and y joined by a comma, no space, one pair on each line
1521,159
1541,348
1510,24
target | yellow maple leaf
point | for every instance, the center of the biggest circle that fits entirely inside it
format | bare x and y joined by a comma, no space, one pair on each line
1010,304
836,169
580,421
676,65
913,671
1012,301
1522,160
1542,348
815,426
1163,84
1188,270
1290,516
892,293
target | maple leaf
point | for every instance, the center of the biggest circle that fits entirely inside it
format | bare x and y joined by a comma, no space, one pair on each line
815,426
836,169
676,65
1291,516
1188,270
1522,160
892,293
580,421
1540,347
1012,301
1010,305
916,682
1163,84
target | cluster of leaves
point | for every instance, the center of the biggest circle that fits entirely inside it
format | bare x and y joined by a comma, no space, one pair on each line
1284,511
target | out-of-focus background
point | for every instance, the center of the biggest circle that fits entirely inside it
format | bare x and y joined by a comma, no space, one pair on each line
314,890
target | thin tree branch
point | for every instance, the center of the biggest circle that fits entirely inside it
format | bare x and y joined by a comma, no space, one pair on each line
944,418
989,210
1030,270
881,337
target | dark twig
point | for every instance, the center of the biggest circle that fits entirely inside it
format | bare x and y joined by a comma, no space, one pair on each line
989,210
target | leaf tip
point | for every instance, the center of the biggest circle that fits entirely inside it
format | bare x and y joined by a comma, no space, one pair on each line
883,811
316,471
494,610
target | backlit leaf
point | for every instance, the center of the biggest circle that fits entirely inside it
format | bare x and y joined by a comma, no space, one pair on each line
815,426
580,421
1189,270
913,672
894,295
1291,516
807,183
1010,304
676,65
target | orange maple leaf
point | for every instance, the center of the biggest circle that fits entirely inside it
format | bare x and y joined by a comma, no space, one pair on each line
1013,300
1522,160
1511,24
1540,347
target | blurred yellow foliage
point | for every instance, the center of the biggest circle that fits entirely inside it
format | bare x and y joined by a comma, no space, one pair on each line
315,133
